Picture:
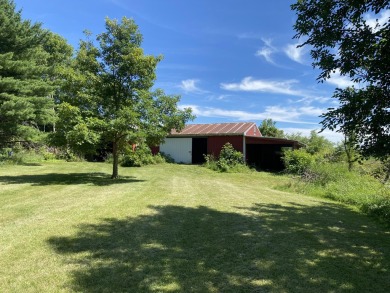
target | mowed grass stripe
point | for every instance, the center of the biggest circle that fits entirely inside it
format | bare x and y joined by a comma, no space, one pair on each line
66,227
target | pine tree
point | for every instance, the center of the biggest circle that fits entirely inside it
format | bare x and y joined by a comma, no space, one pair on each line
25,86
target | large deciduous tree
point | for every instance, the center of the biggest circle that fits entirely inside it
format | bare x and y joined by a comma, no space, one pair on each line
352,37
26,86
314,143
268,128
108,97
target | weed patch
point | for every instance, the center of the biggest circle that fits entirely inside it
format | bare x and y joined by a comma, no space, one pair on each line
334,181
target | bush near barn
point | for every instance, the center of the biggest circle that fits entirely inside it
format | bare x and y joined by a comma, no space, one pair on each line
229,160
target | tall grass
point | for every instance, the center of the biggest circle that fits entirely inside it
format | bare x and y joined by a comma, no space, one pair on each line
334,181
25,156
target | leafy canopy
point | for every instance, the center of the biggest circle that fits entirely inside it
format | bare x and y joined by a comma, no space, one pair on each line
352,37
268,128
314,143
108,97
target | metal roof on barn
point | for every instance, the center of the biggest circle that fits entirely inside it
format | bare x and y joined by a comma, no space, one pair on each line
240,128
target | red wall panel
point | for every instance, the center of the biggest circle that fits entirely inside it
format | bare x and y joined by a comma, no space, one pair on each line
215,143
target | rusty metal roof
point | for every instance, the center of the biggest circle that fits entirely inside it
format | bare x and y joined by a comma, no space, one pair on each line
214,129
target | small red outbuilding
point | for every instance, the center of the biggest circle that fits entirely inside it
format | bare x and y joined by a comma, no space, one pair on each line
195,140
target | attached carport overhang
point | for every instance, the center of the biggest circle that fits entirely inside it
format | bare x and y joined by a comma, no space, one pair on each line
266,152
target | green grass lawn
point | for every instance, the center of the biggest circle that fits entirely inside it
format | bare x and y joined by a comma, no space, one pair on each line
67,227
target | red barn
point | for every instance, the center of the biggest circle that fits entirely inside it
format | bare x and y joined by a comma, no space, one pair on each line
195,140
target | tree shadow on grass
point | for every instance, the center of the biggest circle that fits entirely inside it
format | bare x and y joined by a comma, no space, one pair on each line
98,178
265,248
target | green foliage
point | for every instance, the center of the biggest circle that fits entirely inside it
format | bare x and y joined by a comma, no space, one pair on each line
321,173
229,160
269,129
314,143
230,156
334,181
351,152
330,175
8,156
26,70
318,144
19,155
297,161
73,132
382,171
141,156
108,94
211,162
342,40
378,207
364,112
166,157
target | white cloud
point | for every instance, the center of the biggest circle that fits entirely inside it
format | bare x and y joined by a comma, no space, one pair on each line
376,22
189,86
248,84
213,97
222,97
340,81
311,111
266,52
277,113
284,87
311,99
268,43
295,53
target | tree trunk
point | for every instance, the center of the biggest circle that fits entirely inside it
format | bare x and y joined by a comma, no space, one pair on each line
115,161
348,152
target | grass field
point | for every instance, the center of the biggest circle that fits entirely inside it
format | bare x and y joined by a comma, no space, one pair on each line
66,227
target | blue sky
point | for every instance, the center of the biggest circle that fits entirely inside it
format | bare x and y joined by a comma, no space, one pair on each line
229,60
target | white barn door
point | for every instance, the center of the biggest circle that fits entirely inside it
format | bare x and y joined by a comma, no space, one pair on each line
180,149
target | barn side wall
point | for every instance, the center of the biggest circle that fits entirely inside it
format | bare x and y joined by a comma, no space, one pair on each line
215,144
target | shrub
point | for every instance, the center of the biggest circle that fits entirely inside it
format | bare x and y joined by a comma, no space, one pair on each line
166,158
379,208
321,173
141,156
5,153
230,156
20,155
229,160
211,162
68,155
382,171
138,157
297,161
